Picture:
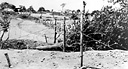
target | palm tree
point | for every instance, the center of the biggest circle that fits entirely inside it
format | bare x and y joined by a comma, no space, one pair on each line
63,5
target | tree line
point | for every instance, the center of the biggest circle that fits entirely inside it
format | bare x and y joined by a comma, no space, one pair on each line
22,8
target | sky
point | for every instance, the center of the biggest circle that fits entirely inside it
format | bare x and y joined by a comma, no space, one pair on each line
55,4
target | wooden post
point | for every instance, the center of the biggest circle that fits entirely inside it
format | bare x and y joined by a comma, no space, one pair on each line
55,31
45,38
64,44
8,60
2,35
81,34
55,27
8,34
41,14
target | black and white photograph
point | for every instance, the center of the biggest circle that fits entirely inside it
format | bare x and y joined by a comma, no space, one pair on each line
63,34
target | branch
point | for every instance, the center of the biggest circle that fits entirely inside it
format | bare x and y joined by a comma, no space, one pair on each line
99,41
58,36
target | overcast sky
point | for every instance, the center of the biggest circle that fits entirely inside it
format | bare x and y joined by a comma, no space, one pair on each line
55,4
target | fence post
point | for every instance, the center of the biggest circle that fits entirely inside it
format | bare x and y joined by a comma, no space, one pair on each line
81,33
55,31
8,60
45,38
64,44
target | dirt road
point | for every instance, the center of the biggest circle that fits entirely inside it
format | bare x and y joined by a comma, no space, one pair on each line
24,29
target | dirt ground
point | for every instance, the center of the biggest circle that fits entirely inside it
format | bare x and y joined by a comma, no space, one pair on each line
35,59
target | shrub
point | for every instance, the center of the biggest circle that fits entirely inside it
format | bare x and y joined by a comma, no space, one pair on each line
107,31
20,44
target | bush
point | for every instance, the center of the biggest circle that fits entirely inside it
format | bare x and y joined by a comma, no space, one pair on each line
107,31
23,16
20,44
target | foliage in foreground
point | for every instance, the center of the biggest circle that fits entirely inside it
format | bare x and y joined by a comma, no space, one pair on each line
107,31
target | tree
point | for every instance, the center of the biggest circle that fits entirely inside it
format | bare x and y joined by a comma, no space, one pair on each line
22,9
7,5
78,11
106,31
13,7
4,5
5,18
74,16
4,23
41,9
31,9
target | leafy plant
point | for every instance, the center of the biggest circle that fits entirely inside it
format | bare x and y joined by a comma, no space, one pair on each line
106,31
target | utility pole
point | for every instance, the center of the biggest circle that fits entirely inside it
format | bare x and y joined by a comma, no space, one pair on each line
64,45
81,33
